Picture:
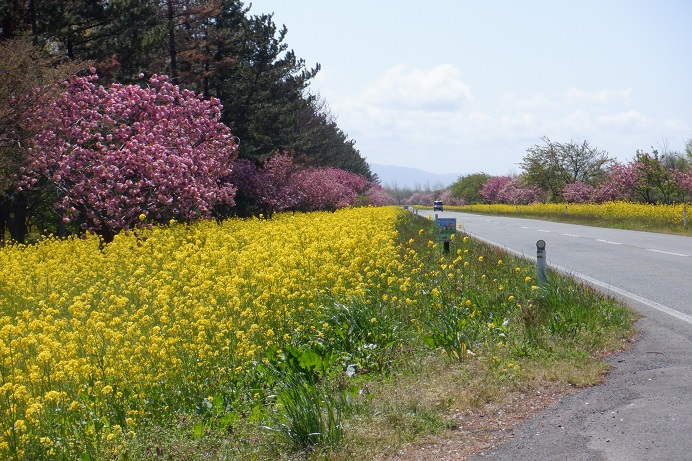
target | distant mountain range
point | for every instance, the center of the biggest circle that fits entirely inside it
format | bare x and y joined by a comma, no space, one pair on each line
412,178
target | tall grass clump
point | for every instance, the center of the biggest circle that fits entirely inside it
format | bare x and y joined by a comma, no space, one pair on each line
310,415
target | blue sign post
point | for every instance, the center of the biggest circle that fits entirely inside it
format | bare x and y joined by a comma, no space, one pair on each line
445,228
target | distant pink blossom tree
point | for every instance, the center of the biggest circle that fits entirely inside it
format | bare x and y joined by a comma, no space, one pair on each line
327,188
516,192
618,185
421,198
115,155
684,182
448,199
376,195
492,188
246,178
281,185
577,192
275,185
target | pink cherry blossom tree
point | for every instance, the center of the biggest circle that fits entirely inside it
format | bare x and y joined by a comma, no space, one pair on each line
114,155
280,185
320,189
618,185
376,195
492,187
421,198
328,188
517,192
448,199
275,186
577,192
684,182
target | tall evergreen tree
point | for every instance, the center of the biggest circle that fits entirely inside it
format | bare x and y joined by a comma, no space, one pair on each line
213,47
263,92
318,136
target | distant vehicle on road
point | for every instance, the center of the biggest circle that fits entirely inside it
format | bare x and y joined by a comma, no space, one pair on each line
437,205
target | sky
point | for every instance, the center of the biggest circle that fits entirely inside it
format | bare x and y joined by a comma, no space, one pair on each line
467,86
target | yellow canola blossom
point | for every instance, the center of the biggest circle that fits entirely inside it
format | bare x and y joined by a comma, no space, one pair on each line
92,340
654,215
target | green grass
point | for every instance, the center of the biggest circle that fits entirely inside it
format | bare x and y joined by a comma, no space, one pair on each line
461,332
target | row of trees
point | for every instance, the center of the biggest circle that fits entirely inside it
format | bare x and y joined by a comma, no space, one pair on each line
97,154
577,173
216,48
282,184
110,158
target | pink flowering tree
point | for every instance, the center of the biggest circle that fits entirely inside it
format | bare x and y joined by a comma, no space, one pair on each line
327,188
281,185
577,192
517,192
247,180
448,199
618,185
115,156
492,188
421,198
684,182
275,186
376,195
320,189
267,188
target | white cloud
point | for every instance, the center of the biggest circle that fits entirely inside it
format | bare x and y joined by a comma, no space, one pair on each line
531,102
578,96
428,119
578,120
629,120
430,90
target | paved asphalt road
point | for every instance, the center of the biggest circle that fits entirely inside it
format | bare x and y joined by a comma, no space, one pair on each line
644,409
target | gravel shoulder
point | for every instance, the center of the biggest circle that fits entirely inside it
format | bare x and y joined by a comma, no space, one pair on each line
642,411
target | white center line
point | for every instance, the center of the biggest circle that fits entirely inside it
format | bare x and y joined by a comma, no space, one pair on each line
666,252
608,241
543,230
570,235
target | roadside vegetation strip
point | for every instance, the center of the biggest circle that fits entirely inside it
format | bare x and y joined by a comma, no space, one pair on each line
201,339
628,215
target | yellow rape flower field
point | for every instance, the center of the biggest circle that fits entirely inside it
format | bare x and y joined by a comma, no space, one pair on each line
198,322
628,215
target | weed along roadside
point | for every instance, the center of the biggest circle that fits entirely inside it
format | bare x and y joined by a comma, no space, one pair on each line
326,336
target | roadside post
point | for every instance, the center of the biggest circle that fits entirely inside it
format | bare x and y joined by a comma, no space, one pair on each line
541,262
684,216
445,228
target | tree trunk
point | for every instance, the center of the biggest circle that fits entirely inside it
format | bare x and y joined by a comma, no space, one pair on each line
18,214
3,220
171,43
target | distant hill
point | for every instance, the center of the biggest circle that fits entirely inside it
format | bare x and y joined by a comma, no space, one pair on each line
412,178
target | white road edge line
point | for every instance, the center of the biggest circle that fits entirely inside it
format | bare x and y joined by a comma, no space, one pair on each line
627,294
599,284
666,252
